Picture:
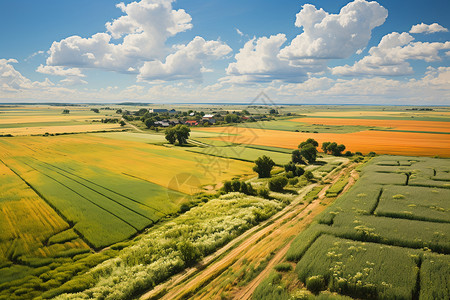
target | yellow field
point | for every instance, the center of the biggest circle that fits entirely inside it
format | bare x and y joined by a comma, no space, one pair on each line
158,164
381,142
366,113
60,129
27,221
409,125
31,120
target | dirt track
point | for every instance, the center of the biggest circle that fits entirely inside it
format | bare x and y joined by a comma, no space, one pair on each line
205,280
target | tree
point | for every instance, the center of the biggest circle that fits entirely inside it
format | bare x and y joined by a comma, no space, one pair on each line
325,146
309,152
296,171
178,133
122,123
278,183
227,187
149,122
339,149
297,157
66,111
95,110
309,175
264,165
182,133
236,184
171,135
273,112
309,141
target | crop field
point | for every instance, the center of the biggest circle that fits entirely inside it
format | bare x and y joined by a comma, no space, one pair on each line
243,153
374,124
34,120
381,142
111,188
384,238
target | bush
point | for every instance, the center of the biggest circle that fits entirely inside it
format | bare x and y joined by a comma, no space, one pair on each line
263,193
315,284
309,175
277,184
264,165
283,267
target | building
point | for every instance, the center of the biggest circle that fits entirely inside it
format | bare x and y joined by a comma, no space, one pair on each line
209,118
191,123
158,110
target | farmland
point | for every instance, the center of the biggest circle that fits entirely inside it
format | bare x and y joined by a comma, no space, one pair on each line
38,120
380,239
382,142
84,210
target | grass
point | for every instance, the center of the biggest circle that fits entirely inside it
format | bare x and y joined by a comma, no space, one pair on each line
156,254
337,187
243,153
289,125
435,272
382,238
361,269
418,203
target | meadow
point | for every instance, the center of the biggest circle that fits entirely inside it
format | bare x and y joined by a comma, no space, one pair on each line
381,239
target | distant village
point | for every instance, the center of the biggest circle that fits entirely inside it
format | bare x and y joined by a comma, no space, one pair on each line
160,117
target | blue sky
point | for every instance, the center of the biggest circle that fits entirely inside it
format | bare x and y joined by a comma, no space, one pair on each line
197,51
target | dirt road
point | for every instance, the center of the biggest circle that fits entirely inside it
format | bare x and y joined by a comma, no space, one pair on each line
222,273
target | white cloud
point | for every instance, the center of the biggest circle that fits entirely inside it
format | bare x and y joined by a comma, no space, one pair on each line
59,71
73,75
143,29
390,57
135,43
258,61
186,62
330,36
239,32
12,80
424,28
325,36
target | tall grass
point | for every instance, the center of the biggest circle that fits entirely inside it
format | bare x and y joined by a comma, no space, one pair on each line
361,270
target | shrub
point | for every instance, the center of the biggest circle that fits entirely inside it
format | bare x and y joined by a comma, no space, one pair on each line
283,267
309,175
264,165
315,284
277,184
263,193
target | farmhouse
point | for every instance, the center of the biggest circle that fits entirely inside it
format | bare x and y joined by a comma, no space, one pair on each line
209,118
158,110
191,123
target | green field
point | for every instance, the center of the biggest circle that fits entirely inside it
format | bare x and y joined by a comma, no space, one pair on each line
386,238
287,125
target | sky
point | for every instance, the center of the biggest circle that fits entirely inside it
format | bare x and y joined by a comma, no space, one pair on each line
387,52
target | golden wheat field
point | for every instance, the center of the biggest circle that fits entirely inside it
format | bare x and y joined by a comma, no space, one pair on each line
381,142
429,126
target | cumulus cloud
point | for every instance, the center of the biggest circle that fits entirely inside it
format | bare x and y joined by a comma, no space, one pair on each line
258,61
135,43
143,29
186,62
12,80
73,75
424,28
325,36
390,57
329,36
